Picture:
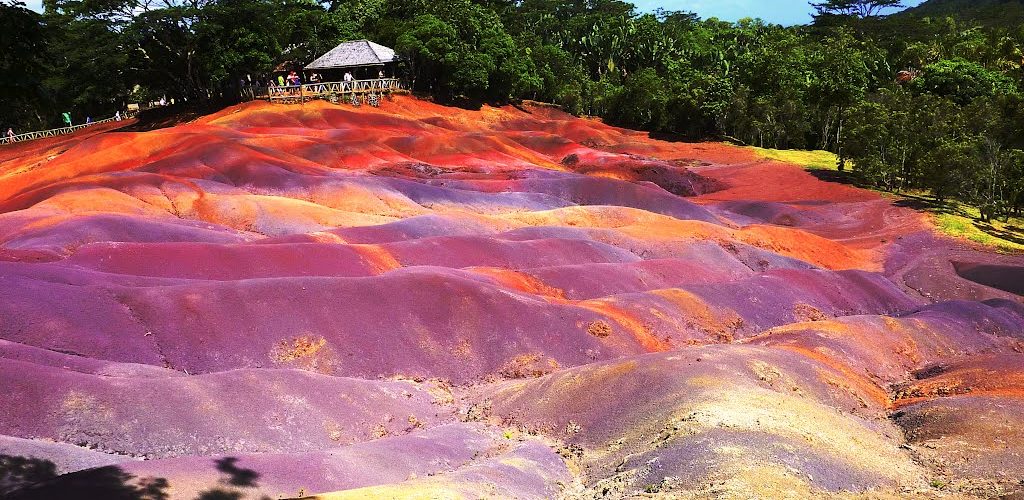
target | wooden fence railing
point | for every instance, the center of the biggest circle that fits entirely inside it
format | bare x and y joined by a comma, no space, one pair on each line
327,90
344,91
53,132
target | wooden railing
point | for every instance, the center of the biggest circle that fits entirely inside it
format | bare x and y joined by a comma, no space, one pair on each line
53,132
325,90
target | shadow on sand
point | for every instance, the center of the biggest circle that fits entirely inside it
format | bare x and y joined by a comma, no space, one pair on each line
25,478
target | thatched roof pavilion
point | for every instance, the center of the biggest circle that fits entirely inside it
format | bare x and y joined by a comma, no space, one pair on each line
354,54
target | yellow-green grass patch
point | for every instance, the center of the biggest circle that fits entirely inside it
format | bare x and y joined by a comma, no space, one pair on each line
953,218
962,222
814,160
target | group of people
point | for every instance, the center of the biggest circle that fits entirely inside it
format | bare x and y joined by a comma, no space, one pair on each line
66,118
291,84
292,79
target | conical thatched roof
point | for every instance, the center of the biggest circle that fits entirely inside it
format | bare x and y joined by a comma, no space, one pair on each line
354,53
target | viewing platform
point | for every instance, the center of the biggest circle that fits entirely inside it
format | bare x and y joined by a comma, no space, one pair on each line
355,92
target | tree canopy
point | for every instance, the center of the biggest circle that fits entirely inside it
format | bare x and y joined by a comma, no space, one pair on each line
858,8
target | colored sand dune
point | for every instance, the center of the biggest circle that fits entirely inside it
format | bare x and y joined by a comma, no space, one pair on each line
418,301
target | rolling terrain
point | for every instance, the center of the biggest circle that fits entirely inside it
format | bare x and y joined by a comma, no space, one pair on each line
417,301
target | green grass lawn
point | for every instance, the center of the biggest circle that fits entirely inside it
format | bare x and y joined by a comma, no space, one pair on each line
953,218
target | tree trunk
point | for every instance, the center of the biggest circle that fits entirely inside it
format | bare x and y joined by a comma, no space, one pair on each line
839,143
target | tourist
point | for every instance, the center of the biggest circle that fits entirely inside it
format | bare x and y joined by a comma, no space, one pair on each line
88,120
280,80
294,81
117,116
67,118
316,79
10,134
348,76
380,74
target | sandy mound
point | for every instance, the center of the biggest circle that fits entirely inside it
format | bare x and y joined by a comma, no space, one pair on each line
420,301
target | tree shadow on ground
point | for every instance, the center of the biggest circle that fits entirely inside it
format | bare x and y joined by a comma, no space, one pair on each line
926,204
1008,232
109,483
237,476
17,472
26,478
165,117
845,177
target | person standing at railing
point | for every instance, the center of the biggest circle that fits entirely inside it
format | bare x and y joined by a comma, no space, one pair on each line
295,82
280,85
380,75
67,118
347,84
10,134
316,80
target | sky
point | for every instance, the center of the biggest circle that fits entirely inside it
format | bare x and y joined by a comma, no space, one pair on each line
786,12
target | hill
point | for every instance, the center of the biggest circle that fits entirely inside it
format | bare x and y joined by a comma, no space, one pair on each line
1005,13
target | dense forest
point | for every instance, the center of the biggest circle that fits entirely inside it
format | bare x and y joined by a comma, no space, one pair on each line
918,100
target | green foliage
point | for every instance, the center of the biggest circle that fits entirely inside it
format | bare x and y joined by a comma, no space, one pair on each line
641,101
963,81
858,8
461,49
561,77
23,36
902,140
986,12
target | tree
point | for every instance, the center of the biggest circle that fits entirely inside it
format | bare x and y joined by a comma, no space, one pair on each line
963,81
994,171
460,49
839,80
23,36
855,8
641,101
429,46
562,78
